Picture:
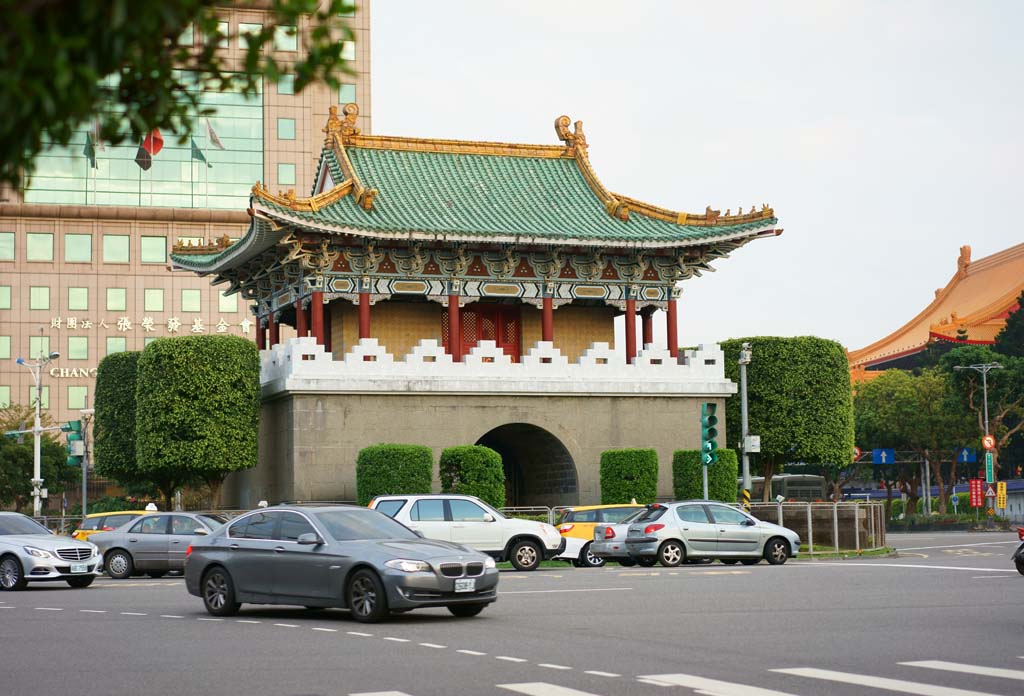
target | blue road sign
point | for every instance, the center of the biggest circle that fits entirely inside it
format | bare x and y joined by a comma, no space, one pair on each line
966,455
883,456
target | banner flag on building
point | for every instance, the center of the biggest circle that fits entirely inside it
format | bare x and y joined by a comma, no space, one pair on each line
150,147
212,137
97,135
197,154
89,151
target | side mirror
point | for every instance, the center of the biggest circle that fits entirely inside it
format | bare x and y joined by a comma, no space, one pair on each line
749,522
420,534
309,539
201,532
488,517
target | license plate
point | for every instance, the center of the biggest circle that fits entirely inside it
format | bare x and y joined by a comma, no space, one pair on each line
465,584
79,567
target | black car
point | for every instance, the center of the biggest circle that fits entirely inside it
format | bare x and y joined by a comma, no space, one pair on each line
338,556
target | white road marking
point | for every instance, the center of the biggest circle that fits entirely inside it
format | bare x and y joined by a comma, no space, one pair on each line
248,621
434,645
598,673
905,565
171,616
202,618
93,611
543,689
325,630
361,635
968,669
132,613
866,680
595,589
380,693
988,577
471,652
6,607
509,659
956,546
48,609
551,666
287,625
397,640
713,687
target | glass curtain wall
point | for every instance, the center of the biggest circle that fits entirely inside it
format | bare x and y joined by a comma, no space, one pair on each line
178,178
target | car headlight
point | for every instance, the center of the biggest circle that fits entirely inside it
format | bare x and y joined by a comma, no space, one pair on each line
95,548
489,563
407,566
38,553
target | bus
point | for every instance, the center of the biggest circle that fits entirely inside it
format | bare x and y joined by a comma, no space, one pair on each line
804,487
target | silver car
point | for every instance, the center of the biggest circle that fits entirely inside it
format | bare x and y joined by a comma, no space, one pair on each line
29,552
610,540
152,544
338,556
669,533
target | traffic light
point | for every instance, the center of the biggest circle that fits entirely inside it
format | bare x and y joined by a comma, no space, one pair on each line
75,448
74,426
708,434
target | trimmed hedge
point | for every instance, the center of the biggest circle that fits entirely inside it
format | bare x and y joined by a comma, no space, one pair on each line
388,469
688,482
628,474
114,425
473,470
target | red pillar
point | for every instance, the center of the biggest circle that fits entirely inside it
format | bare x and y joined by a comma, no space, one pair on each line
301,325
261,335
316,316
630,331
454,329
364,315
274,333
648,323
327,327
672,329
547,321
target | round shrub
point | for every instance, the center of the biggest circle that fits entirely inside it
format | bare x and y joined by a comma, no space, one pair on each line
629,474
390,469
473,470
688,483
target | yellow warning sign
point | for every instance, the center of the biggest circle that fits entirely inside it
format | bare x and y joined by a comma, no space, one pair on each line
1001,495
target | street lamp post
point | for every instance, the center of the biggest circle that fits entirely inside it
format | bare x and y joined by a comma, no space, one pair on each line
745,357
984,369
37,428
87,415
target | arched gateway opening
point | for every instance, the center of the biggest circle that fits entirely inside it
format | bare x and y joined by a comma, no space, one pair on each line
538,468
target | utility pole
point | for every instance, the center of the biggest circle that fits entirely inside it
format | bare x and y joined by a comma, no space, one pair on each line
38,429
87,414
984,369
745,357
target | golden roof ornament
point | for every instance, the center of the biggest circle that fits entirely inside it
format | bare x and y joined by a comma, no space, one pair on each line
576,139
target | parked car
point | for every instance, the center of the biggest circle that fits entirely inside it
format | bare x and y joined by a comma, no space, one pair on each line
104,522
153,544
609,541
672,532
469,521
338,556
577,526
29,552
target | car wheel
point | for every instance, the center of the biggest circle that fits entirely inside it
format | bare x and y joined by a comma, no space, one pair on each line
119,564
464,611
671,553
646,561
730,561
12,577
219,593
525,556
750,561
366,598
81,582
156,574
776,551
589,560
1020,566
627,562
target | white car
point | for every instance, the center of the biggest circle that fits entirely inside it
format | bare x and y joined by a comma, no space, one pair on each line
469,521
29,552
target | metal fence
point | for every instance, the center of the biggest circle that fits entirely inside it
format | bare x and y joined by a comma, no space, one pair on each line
852,526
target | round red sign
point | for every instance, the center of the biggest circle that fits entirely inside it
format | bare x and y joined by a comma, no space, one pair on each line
988,442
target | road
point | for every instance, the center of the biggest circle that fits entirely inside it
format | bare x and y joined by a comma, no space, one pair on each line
944,618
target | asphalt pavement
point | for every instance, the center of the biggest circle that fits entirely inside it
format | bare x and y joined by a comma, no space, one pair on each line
942,618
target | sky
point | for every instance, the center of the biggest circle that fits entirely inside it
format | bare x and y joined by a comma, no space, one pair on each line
884,134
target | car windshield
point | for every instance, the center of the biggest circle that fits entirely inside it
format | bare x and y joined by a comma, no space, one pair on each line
213,521
633,517
651,513
19,524
347,525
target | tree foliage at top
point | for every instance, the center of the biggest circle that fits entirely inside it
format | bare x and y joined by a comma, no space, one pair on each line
122,61
1010,339
800,403
114,424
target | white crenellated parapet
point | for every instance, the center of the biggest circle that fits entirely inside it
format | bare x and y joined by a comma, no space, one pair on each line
301,364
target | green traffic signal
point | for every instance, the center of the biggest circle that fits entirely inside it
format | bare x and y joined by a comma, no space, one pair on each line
74,426
708,434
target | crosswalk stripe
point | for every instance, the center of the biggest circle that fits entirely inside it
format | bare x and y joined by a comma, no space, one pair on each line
544,689
968,669
713,687
865,680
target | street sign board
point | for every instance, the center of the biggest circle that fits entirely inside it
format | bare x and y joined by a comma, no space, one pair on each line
989,470
753,444
967,455
988,442
977,498
990,492
883,456
1001,495
856,453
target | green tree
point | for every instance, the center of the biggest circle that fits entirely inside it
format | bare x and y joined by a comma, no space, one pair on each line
17,459
113,429
629,474
197,411
473,470
688,480
386,469
800,403
134,64
1010,339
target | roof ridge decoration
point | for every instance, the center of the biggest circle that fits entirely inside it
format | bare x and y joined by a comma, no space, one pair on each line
576,147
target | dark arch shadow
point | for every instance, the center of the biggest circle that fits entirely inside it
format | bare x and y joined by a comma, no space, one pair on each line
538,468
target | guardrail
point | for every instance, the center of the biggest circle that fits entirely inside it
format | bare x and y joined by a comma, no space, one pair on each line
853,526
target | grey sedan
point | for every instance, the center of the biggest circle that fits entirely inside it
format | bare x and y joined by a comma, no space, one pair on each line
29,552
338,556
153,544
671,532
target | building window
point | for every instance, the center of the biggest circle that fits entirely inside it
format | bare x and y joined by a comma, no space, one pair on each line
39,297
227,303
78,298
78,347
116,248
38,347
286,38
191,300
154,250
117,299
154,299
149,340
5,396
348,50
246,29
6,246
286,174
116,344
347,94
286,84
286,129
78,248
223,28
5,347
44,402
5,296
39,246
348,8
187,37
77,397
